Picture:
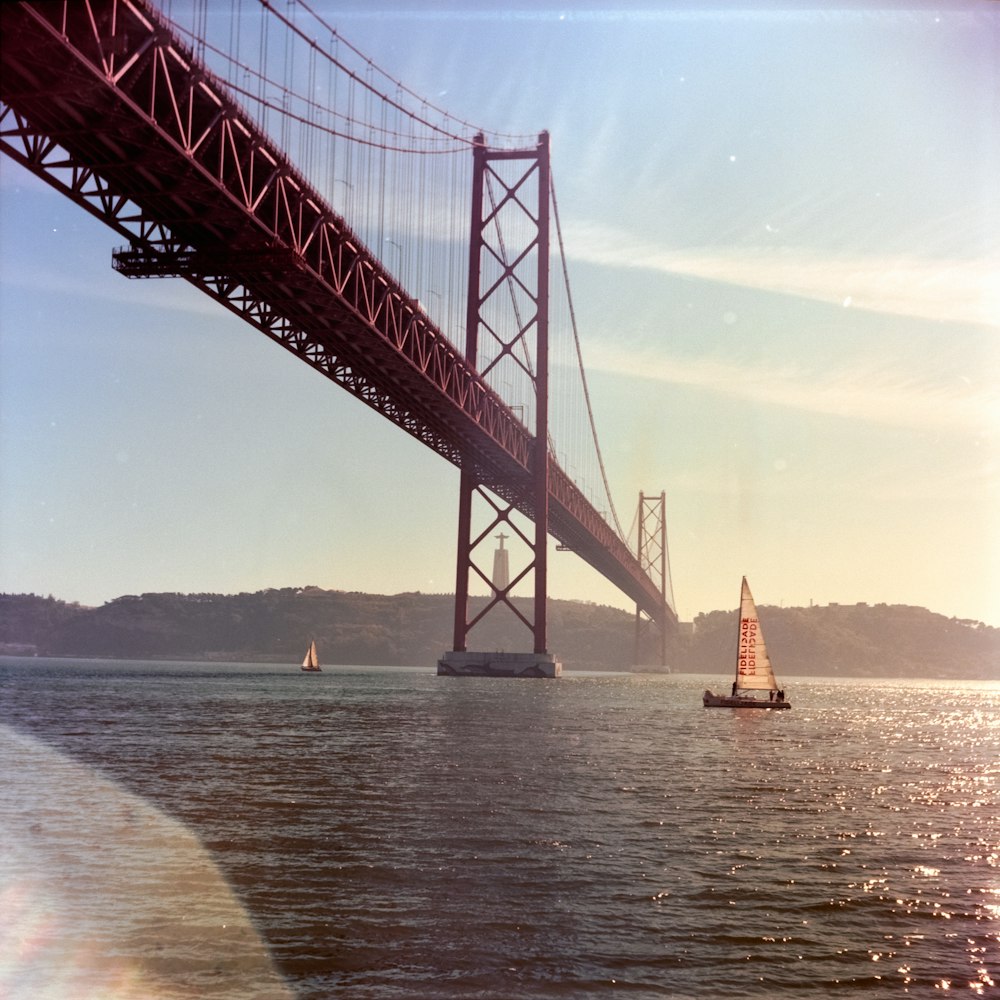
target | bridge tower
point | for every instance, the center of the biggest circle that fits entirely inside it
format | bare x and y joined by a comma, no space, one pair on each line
511,283
651,550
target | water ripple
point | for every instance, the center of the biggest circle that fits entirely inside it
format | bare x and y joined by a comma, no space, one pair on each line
392,834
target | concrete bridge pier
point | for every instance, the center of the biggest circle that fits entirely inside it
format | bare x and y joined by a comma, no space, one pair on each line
468,664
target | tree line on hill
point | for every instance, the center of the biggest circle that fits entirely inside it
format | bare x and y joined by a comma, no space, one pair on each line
277,625
414,629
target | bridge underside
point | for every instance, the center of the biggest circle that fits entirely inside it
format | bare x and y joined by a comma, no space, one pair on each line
102,102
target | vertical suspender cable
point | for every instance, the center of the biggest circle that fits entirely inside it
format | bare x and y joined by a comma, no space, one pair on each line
579,356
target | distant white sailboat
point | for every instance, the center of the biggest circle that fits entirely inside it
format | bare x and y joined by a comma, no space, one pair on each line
311,663
753,666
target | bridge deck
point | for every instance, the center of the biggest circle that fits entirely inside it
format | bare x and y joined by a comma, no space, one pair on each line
102,102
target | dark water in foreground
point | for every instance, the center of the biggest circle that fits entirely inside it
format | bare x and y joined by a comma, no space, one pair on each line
371,833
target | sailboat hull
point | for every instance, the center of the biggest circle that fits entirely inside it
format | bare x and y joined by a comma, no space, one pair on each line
710,700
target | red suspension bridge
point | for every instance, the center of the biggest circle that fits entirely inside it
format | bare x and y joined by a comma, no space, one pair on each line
217,143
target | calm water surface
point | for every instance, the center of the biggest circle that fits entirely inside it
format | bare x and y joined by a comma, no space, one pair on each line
246,831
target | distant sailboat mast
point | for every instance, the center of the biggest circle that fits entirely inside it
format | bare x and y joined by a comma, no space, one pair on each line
311,661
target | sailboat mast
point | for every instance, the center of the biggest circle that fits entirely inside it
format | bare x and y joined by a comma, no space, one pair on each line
739,633
739,625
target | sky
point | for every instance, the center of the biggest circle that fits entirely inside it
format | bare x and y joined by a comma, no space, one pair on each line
783,231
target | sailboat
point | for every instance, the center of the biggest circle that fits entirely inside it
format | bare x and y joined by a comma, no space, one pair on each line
311,663
753,666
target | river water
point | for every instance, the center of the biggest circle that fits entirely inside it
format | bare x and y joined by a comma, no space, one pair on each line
248,831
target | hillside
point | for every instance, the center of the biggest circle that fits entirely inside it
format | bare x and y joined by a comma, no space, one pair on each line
414,629
276,625
855,640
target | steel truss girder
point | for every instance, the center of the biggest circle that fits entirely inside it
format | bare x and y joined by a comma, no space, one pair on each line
135,86
99,99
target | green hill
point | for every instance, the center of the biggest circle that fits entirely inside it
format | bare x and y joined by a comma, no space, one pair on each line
855,640
414,629
276,625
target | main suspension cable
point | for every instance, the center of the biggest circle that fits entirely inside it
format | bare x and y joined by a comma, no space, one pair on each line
579,358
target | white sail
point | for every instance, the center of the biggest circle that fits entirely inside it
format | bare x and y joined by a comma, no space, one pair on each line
753,667
312,660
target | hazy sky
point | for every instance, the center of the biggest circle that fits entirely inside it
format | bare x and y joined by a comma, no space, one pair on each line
784,232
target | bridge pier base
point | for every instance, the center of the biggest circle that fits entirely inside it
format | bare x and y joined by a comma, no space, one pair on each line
465,664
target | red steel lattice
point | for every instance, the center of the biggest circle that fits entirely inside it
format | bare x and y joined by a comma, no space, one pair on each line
98,98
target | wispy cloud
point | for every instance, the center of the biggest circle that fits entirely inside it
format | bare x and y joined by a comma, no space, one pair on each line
942,290
875,396
171,294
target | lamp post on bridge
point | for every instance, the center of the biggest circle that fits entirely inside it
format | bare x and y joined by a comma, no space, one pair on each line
399,259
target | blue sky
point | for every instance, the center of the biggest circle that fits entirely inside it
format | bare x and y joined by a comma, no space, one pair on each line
783,228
